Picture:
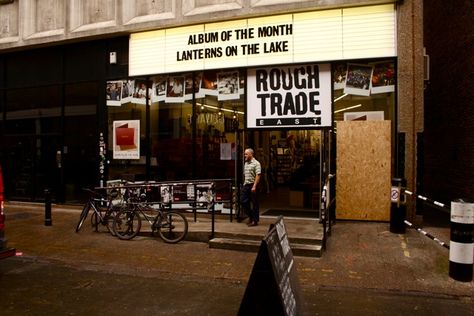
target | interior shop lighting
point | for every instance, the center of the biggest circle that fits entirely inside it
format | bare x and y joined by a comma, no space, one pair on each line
339,98
218,108
348,108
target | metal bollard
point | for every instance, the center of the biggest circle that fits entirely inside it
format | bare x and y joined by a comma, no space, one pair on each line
461,246
398,209
47,208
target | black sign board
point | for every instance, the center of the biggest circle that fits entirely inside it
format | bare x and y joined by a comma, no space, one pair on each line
273,287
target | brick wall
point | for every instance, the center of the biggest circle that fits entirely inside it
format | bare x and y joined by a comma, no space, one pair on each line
449,95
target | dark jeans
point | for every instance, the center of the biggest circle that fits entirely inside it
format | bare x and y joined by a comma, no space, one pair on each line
249,201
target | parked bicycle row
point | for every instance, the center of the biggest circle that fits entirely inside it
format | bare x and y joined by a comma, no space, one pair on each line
122,215
122,206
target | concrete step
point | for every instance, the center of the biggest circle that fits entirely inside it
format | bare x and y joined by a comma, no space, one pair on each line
252,245
313,239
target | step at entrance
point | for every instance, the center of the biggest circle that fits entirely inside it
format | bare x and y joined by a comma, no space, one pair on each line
305,237
239,244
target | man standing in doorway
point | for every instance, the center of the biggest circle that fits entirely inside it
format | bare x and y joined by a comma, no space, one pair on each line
249,199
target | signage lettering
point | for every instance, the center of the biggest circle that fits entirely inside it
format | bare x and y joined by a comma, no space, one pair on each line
276,30
300,78
289,96
199,54
233,48
203,38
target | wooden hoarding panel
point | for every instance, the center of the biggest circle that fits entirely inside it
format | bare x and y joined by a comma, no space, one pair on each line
363,170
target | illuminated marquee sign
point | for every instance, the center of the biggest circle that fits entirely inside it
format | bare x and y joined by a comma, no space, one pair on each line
289,97
337,34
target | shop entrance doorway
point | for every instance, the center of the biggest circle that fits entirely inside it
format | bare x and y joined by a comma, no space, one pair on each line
293,164
33,164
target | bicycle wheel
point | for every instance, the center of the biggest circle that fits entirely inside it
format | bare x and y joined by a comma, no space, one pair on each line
95,221
127,224
109,216
172,227
104,217
82,218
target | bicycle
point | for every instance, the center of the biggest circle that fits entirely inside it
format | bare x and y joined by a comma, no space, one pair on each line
102,215
171,226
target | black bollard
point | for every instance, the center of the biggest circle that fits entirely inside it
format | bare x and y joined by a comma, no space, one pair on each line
398,208
461,246
47,208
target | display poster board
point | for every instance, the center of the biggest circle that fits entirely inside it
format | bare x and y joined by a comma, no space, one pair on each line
289,97
126,139
273,287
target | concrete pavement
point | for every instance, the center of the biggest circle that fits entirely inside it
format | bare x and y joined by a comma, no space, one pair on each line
359,255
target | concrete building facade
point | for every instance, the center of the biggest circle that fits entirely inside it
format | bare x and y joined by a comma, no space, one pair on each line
72,29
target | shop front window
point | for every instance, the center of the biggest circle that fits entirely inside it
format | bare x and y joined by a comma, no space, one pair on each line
219,116
126,141
31,141
79,157
364,90
184,142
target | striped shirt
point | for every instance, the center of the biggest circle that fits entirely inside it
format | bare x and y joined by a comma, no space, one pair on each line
251,169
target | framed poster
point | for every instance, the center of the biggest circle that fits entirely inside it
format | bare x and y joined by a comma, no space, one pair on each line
358,79
175,89
383,78
114,93
126,139
228,86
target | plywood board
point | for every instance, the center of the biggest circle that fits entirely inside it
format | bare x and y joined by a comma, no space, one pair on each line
363,170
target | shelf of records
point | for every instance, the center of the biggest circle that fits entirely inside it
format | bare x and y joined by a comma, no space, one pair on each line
188,195
283,171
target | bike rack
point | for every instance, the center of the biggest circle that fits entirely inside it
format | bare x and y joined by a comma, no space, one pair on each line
195,195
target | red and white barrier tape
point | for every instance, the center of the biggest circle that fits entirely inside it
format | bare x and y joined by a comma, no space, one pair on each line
424,198
442,243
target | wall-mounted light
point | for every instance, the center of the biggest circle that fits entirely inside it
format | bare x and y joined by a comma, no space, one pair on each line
426,65
113,58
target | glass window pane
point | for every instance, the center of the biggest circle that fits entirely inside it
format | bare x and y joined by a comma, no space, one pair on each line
80,139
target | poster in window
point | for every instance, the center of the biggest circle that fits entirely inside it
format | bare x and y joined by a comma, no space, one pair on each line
383,78
228,86
166,194
339,75
175,89
364,116
127,90
358,79
209,83
126,139
159,89
190,87
242,82
114,93
140,91
226,151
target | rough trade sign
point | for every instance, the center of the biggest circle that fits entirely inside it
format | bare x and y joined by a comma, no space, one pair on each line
289,96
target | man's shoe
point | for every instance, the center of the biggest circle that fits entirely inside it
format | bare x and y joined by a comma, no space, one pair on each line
252,224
